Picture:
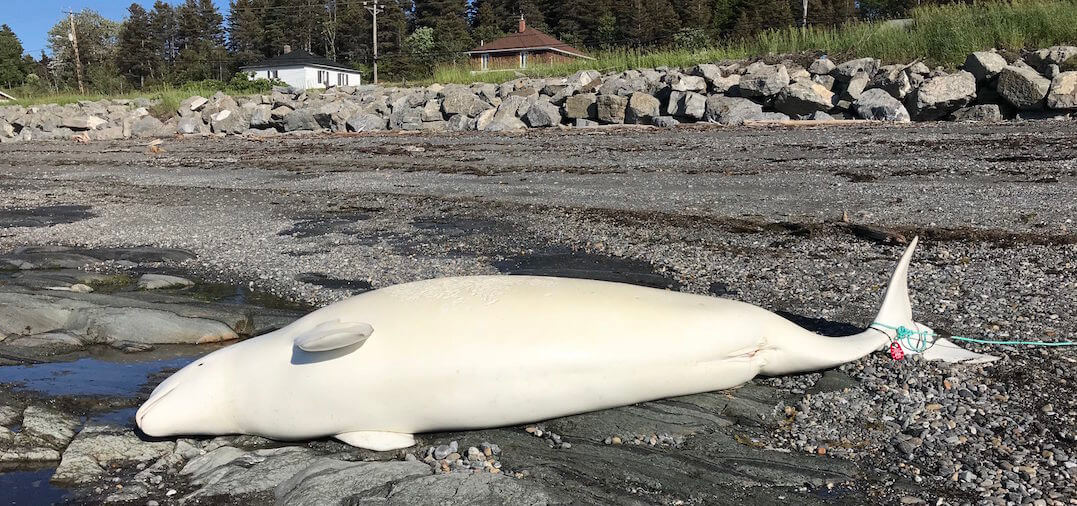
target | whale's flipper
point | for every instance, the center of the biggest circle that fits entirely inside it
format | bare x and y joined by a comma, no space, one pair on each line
377,441
334,334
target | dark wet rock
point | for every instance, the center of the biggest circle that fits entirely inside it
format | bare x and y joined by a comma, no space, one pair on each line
43,434
586,266
99,450
316,278
331,481
43,216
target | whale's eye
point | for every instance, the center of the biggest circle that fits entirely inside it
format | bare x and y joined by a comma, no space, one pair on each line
200,364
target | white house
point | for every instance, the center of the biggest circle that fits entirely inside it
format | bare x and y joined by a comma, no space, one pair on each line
303,70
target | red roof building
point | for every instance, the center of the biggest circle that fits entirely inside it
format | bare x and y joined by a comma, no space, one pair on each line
526,47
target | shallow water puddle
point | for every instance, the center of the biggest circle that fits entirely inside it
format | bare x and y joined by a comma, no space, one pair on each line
86,376
29,487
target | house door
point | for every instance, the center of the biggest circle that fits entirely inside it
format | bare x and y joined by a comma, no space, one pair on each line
523,59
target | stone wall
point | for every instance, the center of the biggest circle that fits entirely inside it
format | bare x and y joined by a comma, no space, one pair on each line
988,87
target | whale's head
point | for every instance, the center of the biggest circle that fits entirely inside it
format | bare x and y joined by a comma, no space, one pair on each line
195,400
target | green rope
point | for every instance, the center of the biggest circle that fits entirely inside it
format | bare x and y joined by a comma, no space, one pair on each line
920,340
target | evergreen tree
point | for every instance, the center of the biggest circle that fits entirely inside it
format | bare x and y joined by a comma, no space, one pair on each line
485,25
694,14
200,37
163,33
754,16
244,32
664,22
136,58
448,18
13,68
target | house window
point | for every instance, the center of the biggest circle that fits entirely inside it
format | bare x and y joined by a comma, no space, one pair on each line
485,58
523,59
323,77
342,79
272,74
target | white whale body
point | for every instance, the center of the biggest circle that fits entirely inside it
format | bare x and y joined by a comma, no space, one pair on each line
488,351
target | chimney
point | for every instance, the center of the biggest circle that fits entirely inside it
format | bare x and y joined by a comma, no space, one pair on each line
523,24
287,48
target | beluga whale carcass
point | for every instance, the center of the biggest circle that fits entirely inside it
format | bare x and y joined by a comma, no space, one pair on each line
486,351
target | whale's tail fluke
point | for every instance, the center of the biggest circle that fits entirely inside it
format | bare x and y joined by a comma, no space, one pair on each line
816,352
896,309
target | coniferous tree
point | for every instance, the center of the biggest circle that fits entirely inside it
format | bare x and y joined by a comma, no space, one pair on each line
136,57
244,32
485,25
13,68
448,19
163,34
97,51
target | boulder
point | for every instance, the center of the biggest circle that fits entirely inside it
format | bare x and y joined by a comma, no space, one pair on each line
611,108
939,96
582,78
1023,87
877,104
583,105
586,123
484,118
693,106
642,107
681,82
366,122
543,114
7,130
847,70
731,110
1063,92
464,103
764,81
673,101
984,65
45,432
664,121
1054,55
854,86
804,97
82,123
191,125
504,123
229,121
460,122
981,112
406,118
822,66
824,80
147,126
725,84
262,116
432,110
306,119
894,79
192,105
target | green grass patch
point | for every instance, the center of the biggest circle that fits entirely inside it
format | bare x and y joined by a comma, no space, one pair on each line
937,34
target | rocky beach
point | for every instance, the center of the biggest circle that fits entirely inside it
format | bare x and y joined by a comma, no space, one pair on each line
122,260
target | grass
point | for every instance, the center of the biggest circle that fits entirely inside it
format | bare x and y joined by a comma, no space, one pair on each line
166,98
938,34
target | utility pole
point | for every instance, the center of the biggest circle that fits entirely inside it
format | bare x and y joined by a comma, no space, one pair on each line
804,22
75,45
374,9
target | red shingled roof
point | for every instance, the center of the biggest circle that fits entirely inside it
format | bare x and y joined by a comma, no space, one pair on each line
528,39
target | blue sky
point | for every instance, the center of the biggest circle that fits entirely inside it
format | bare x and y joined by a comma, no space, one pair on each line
31,19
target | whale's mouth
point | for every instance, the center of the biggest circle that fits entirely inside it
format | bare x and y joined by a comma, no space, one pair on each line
146,407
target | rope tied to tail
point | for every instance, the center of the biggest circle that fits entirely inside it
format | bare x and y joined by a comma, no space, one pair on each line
920,340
